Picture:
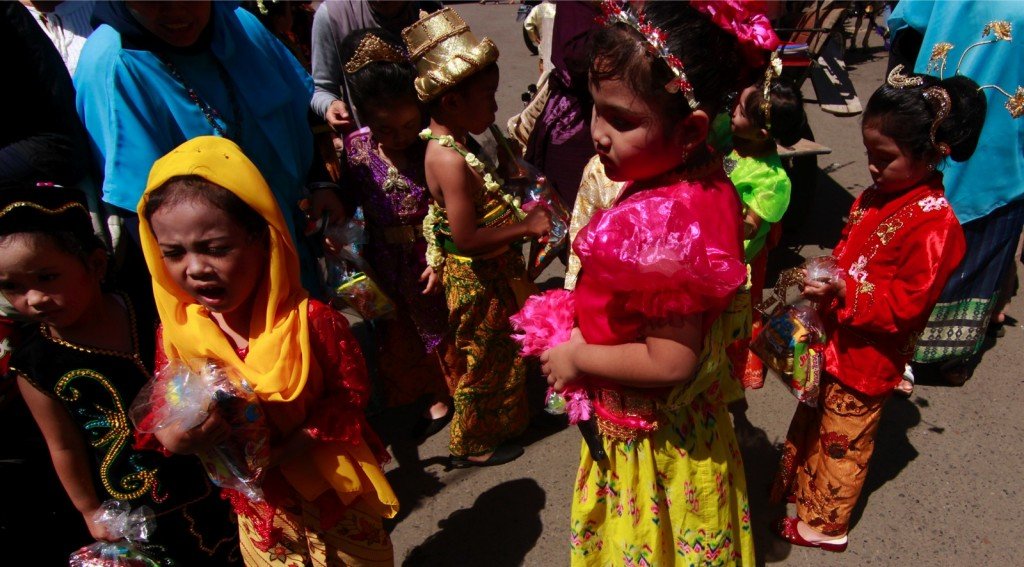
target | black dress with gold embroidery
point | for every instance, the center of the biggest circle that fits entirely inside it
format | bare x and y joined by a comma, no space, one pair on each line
96,387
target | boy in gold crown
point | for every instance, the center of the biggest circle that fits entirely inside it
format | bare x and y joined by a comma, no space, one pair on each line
472,229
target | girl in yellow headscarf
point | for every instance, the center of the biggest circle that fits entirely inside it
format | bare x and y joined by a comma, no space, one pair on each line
226,282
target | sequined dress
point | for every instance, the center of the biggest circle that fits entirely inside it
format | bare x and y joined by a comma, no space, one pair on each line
395,203
96,387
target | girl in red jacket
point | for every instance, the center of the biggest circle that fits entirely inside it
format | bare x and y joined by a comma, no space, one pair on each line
901,244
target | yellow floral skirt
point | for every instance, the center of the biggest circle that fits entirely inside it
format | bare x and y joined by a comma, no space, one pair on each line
674,498
677,496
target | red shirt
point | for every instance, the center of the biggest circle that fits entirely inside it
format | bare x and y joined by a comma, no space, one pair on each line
896,253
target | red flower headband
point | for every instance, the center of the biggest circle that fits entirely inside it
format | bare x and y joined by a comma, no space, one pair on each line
753,30
614,13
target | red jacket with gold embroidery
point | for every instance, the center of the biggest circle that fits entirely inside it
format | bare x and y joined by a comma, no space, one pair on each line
896,253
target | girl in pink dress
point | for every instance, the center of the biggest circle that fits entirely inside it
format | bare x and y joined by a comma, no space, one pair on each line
658,270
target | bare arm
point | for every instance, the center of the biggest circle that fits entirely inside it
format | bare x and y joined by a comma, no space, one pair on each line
67,451
458,185
668,356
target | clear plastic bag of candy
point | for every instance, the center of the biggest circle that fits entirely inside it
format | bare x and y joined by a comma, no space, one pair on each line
349,237
129,528
348,277
822,269
183,395
532,188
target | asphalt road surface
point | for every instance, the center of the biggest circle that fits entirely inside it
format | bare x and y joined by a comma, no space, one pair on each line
944,486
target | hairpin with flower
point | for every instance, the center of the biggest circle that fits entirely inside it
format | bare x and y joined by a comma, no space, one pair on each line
999,30
614,12
752,30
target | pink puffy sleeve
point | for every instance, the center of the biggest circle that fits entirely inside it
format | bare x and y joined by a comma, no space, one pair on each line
673,251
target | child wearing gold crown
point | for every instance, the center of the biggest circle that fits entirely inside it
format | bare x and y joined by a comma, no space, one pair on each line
472,229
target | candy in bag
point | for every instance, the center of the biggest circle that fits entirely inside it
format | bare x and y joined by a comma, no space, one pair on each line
130,528
183,395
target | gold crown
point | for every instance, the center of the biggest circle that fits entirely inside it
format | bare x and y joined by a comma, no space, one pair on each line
371,50
445,52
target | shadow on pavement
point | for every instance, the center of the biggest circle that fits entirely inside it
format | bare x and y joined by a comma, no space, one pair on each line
501,527
820,215
411,480
760,461
893,450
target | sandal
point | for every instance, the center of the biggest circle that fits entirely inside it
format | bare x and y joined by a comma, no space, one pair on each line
500,456
905,388
956,373
787,530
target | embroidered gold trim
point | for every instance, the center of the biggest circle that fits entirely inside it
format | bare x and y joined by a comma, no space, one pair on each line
61,209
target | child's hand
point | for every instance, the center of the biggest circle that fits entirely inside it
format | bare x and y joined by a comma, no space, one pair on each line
558,363
325,202
537,222
98,531
433,281
823,291
210,433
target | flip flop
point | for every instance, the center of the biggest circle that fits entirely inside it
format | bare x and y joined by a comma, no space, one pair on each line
500,456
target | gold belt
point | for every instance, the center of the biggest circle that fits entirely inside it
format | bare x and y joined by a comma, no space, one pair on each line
405,234
630,414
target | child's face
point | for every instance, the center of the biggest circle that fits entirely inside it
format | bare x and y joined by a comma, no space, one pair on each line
208,254
629,135
47,284
477,106
891,169
395,126
742,126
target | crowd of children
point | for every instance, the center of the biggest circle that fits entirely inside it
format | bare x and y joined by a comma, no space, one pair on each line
670,232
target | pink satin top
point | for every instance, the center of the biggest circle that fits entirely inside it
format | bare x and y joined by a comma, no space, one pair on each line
658,255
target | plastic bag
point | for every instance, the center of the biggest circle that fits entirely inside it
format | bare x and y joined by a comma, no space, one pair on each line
131,528
182,395
822,269
792,341
531,187
347,272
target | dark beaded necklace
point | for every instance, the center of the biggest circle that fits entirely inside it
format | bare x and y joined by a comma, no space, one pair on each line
210,113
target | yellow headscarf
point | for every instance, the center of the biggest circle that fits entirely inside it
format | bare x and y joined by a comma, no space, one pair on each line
279,363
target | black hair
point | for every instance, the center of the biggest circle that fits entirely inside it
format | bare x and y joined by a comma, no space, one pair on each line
75,243
190,188
50,212
380,83
906,116
709,55
787,112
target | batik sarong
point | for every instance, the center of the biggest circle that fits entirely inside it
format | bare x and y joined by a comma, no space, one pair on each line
488,380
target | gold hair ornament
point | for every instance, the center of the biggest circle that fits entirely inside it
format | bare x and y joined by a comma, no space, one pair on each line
898,80
999,30
938,99
773,72
30,205
373,49
657,45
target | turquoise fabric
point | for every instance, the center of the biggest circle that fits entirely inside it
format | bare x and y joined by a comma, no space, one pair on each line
135,111
994,176
764,188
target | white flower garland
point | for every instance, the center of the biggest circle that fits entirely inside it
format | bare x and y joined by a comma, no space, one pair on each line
492,184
